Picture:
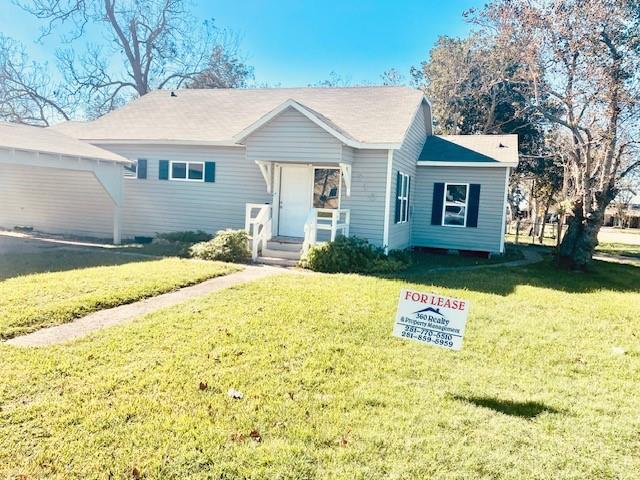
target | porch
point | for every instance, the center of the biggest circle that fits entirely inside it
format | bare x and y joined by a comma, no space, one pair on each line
306,209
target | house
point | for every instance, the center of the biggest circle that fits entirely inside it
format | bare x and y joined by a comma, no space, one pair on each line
292,165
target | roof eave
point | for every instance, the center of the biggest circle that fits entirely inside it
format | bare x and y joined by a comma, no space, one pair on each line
430,163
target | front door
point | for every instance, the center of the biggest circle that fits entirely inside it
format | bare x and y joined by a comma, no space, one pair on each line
295,200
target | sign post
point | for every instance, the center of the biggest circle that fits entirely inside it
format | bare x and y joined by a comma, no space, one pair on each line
431,319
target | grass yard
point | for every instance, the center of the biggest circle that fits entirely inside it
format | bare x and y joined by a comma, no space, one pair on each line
536,392
30,302
57,260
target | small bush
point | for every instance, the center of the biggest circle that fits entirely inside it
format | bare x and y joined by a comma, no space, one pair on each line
226,246
185,237
352,255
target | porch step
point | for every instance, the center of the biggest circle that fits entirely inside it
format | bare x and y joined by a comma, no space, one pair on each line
281,253
285,243
283,262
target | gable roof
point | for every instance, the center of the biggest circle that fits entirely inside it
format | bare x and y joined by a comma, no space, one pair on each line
470,150
45,140
363,115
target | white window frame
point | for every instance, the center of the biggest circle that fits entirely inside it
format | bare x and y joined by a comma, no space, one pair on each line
135,175
187,163
404,199
452,204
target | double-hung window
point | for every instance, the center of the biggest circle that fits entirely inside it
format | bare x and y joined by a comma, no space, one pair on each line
137,169
403,189
186,171
131,170
455,205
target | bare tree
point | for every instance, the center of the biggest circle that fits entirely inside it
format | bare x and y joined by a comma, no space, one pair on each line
583,60
392,77
27,93
148,44
334,80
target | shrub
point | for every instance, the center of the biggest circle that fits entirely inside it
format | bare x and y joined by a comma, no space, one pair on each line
226,246
352,255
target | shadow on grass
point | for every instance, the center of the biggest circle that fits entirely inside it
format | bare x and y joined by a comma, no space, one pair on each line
61,260
526,410
504,280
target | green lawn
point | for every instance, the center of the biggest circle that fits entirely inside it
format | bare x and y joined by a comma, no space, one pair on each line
56,260
30,302
536,391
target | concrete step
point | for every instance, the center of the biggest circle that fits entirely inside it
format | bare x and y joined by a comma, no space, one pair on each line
284,245
278,253
282,262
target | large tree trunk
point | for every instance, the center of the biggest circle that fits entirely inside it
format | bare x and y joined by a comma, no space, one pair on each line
581,237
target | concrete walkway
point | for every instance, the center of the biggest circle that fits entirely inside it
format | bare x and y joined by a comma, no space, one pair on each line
126,313
608,257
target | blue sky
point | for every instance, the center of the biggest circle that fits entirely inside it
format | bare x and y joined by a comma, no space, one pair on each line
295,43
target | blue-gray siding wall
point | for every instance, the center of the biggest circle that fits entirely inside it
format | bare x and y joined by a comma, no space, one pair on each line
368,181
489,233
404,160
292,137
55,201
153,205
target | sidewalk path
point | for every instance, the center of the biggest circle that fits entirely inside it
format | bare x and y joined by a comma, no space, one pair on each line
617,259
125,313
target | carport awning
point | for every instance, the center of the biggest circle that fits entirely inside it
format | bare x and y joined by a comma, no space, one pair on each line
46,148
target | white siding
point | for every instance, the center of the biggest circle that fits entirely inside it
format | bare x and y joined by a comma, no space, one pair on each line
54,200
404,160
368,180
292,137
152,206
487,236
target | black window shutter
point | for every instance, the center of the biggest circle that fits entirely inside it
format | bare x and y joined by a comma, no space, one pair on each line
398,193
408,197
163,170
142,168
436,205
474,205
210,172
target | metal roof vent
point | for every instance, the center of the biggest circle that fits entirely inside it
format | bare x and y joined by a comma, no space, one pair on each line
174,94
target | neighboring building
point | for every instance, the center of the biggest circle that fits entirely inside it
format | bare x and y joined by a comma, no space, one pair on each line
630,217
302,163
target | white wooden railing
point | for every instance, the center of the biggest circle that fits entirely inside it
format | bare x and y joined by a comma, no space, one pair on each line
336,221
257,226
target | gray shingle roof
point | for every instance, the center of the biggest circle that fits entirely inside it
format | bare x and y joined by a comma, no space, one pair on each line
480,149
46,140
366,114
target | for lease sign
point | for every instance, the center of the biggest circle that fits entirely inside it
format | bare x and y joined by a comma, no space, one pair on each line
431,319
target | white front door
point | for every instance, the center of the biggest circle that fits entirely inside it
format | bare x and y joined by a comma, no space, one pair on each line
295,199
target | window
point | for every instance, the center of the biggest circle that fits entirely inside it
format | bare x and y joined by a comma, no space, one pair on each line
187,171
454,213
326,187
131,171
403,189
138,169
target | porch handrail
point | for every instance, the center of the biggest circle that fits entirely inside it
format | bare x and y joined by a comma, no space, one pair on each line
310,230
335,220
258,227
